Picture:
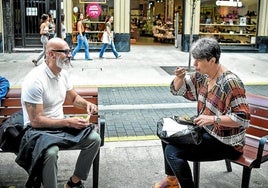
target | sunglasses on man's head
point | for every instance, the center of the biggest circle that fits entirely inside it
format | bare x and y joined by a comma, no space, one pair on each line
67,51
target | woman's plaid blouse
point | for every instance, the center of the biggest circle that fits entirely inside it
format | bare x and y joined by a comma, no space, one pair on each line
227,97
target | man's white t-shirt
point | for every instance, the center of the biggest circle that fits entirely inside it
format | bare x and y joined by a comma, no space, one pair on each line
41,86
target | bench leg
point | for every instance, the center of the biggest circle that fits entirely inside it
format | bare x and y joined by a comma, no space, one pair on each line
96,170
228,165
246,177
196,169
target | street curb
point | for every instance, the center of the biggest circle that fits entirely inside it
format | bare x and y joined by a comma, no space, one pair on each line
130,138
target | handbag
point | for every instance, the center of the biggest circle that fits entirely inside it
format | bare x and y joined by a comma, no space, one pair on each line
44,39
176,130
106,39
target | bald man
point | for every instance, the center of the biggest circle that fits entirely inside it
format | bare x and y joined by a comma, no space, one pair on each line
44,91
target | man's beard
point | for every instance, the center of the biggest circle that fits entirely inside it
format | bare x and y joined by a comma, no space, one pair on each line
63,63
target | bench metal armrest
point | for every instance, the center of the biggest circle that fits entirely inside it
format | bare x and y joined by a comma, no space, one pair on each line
262,143
101,122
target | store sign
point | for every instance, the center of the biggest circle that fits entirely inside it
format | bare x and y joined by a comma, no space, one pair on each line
93,10
230,3
92,1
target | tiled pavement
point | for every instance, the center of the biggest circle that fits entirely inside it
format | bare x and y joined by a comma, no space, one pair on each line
133,111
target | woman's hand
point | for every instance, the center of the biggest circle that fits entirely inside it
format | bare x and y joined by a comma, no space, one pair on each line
204,120
180,72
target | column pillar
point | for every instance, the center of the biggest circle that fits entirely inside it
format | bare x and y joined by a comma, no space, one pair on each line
122,25
190,32
262,35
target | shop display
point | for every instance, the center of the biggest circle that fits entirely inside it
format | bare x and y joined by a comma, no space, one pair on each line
164,33
230,33
229,25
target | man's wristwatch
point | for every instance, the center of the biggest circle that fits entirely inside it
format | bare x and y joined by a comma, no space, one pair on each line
217,119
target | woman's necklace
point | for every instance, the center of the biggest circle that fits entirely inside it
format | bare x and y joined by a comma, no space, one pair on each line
214,75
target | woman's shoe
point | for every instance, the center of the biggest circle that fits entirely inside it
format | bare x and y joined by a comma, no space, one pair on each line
168,182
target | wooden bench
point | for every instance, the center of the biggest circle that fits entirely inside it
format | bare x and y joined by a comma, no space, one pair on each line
12,103
256,148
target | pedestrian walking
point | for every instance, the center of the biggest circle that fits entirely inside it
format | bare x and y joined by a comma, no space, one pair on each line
81,39
63,27
44,32
51,26
108,38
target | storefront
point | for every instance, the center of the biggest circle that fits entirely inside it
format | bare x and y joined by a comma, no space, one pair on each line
160,19
95,12
232,23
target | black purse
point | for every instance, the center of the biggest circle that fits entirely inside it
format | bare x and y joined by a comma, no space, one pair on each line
176,130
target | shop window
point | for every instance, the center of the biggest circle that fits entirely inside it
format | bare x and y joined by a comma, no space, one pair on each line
95,12
230,25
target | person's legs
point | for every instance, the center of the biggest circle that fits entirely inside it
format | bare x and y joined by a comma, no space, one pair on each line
168,170
79,45
170,180
41,54
89,149
180,166
210,149
50,168
103,48
85,42
114,50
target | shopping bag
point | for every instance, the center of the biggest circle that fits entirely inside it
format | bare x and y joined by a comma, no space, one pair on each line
174,130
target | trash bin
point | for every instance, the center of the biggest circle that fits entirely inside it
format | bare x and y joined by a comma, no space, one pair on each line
122,42
262,48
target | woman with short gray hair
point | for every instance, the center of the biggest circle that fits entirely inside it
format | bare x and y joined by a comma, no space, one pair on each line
222,112
206,48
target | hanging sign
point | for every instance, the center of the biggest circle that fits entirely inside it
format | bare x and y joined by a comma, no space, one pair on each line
93,10
230,3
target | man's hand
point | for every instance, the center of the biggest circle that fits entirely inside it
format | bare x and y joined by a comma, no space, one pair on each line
92,108
78,122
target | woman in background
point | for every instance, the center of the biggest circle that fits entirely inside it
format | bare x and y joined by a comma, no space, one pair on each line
51,26
44,32
108,38
63,27
81,39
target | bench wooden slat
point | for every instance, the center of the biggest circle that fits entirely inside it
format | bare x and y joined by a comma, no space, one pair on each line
93,100
256,132
9,111
257,100
86,91
14,93
254,141
258,121
258,111
11,102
